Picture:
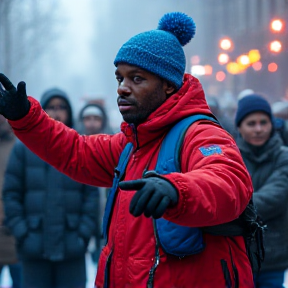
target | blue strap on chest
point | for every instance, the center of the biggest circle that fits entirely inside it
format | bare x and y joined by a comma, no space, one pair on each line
118,174
174,239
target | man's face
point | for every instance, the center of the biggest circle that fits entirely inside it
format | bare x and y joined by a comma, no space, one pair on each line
139,93
92,124
57,109
256,128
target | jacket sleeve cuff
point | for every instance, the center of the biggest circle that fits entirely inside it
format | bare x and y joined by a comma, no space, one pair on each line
179,209
27,120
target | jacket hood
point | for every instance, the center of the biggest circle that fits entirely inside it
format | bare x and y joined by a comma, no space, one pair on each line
53,93
187,101
104,114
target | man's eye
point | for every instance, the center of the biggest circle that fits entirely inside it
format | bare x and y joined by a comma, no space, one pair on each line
137,79
119,79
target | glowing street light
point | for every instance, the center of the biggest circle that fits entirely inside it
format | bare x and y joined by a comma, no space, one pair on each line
275,46
198,70
254,56
225,44
272,67
277,25
257,66
243,60
195,60
208,69
233,68
220,76
223,58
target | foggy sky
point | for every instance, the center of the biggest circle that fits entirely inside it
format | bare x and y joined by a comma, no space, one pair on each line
89,34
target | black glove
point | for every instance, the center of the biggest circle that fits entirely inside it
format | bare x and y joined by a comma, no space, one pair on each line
14,104
153,197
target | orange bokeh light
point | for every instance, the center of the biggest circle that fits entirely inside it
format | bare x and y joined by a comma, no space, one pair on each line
272,67
220,76
225,44
208,69
243,60
257,66
277,25
254,56
275,46
195,60
223,58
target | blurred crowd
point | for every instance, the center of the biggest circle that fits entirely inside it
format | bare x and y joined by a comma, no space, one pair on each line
49,222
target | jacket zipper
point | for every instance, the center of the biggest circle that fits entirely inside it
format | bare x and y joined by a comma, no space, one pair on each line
150,282
136,136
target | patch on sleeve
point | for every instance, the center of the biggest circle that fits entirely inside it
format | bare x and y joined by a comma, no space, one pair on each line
210,150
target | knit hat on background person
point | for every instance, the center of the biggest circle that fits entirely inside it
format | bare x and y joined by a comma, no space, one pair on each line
92,110
160,51
250,104
95,110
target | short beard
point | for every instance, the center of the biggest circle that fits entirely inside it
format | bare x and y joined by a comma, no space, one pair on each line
143,113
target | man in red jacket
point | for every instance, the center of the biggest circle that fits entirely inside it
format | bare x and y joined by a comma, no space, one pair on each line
212,188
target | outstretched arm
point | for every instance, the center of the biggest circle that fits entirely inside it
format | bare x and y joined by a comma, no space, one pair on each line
87,159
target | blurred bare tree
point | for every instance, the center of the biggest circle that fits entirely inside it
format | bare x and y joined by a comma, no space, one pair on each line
26,32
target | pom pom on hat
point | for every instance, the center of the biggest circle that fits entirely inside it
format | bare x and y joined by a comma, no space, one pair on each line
160,51
180,25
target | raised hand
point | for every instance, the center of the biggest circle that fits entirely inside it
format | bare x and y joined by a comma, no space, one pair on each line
14,103
153,197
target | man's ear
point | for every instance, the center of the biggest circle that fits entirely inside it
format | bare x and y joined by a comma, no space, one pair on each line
169,88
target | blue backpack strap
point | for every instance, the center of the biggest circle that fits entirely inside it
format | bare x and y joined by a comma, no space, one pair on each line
119,173
169,155
175,239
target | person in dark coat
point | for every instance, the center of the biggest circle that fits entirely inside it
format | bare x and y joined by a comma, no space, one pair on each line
8,255
267,161
51,216
94,120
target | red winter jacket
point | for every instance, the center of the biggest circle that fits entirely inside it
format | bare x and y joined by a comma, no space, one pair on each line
212,190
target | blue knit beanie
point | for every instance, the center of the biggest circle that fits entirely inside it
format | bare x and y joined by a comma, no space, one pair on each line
250,104
160,51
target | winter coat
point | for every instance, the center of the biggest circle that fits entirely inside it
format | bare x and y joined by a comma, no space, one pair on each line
6,144
51,215
7,241
212,190
269,171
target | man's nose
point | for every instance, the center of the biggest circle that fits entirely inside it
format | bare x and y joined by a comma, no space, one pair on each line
123,89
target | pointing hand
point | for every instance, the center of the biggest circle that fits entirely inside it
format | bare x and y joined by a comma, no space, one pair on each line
14,103
153,197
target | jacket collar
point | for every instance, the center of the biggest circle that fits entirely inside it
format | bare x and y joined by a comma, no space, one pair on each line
263,153
189,100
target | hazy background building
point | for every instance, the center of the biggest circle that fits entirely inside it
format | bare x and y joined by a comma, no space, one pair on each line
71,44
